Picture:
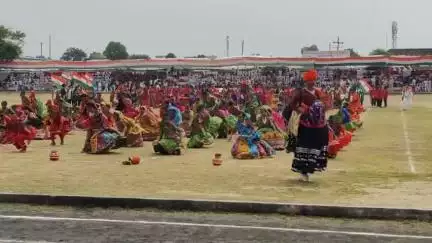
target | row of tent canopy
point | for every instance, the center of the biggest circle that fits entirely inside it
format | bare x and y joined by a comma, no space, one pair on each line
200,63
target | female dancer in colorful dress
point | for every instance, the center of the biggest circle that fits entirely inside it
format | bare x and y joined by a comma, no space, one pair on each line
100,137
16,130
150,122
57,124
132,132
171,134
129,109
108,111
222,121
187,117
310,154
200,136
249,144
271,128
350,120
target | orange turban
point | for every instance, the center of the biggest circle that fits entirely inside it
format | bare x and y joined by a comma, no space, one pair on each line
310,76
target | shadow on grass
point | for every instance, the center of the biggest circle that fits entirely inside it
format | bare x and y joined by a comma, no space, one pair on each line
298,182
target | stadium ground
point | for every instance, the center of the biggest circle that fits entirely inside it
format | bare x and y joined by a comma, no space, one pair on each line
387,164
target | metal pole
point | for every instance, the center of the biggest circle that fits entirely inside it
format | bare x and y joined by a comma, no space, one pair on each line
41,49
227,45
338,45
242,47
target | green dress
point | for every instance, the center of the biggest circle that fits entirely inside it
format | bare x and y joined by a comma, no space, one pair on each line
200,135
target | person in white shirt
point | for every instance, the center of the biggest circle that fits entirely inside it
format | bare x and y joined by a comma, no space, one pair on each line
407,95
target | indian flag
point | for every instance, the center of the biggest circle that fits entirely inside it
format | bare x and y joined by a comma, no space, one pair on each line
89,77
67,75
58,80
366,86
82,79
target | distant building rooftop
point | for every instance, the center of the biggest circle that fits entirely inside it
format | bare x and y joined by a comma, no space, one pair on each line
327,54
29,58
411,52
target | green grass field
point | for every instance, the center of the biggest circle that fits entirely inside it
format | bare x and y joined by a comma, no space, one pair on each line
374,170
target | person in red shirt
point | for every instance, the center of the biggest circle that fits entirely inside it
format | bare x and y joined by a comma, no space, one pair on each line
380,97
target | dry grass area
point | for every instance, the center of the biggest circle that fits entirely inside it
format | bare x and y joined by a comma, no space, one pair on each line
374,170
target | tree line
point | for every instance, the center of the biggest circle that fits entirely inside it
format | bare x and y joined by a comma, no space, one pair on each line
12,42
113,51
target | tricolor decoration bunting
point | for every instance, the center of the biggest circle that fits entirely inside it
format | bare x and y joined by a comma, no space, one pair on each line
86,66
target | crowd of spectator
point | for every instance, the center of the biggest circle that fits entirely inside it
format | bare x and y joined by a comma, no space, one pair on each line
22,81
393,78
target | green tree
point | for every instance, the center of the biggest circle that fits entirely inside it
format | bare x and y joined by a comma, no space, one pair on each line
170,55
353,53
11,42
379,52
96,56
201,56
139,56
116,51
74,54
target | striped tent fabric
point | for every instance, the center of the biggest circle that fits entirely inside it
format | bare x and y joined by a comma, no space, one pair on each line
86,66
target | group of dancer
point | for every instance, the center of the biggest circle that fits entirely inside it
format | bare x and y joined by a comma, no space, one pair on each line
379,95
257,121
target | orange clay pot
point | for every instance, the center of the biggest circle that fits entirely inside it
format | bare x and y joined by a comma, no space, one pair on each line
54,156
217,160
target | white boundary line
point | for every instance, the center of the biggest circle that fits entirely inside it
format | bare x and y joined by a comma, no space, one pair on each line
411,161
223,226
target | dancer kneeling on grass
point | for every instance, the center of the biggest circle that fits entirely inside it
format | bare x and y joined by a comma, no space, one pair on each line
223,121
187,117
271,127
338,127
100,137
132,131
150,121
310,154
249,144
350,124
171,134
200,136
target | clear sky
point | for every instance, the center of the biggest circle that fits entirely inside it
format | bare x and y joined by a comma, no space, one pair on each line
191,27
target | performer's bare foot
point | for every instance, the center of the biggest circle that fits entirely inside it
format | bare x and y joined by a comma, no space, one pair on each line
305,177
53,143
23,149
